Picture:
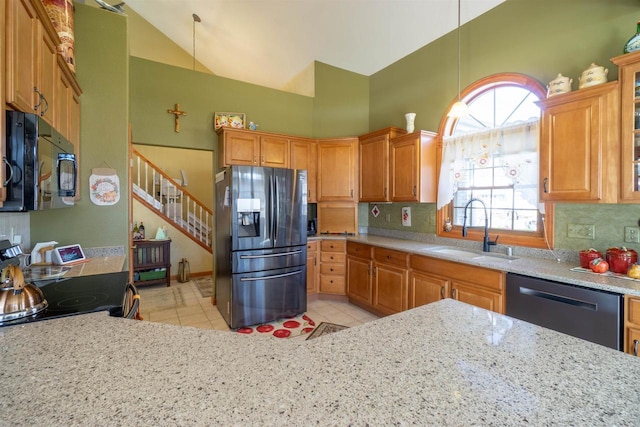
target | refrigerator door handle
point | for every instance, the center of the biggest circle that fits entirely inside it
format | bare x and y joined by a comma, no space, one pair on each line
269,255
275,276
271,212
277,211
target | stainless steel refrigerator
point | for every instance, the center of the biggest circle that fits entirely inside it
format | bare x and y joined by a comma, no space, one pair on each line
261,244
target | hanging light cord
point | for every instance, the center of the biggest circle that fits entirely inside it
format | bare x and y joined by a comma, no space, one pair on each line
459,51
196,18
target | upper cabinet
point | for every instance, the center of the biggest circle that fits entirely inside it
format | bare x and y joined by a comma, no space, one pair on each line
337,170
580,145
374,164
38,80
629,75
249,148
412,168
304,155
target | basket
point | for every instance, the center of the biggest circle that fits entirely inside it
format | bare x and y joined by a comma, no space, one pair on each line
152,275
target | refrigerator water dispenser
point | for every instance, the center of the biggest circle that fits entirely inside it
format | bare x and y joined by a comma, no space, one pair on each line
248,217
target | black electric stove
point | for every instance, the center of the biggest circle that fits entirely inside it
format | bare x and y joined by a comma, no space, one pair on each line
80,295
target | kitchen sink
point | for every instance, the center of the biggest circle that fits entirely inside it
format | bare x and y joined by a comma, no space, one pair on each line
471,255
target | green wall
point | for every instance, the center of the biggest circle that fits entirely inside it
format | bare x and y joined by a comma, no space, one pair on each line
539,38
103,74
341,102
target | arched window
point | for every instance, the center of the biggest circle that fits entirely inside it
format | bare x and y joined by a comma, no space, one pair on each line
491,154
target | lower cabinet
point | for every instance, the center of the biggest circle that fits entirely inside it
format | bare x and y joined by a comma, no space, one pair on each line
359,269
312,267
471,284
632,325
390,281
332,267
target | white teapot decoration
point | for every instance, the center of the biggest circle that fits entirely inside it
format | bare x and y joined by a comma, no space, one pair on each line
560,84
593,75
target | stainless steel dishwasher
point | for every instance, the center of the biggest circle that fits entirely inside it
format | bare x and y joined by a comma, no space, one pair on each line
590,314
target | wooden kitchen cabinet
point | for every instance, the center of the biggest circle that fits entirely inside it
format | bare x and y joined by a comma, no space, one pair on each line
359,269
474,285
374,164
22,60
337,170
426,288
332,267
412,168
47,75
629,79
632,325
390,281
304,155
339,218
313,267
250,148
580,145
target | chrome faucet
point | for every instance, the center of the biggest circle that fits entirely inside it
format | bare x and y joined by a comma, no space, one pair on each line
486,243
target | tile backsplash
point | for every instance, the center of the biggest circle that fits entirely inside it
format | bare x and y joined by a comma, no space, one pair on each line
16,224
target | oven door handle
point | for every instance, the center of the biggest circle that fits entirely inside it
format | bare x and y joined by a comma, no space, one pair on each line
275,276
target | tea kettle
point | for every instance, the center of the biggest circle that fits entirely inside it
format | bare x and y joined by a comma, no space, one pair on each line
17,298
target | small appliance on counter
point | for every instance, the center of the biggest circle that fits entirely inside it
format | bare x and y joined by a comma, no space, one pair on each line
312,227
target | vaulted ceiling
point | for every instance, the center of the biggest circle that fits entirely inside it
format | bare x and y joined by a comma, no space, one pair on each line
272,42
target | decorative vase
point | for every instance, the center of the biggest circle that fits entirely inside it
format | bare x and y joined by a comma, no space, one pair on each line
634,42
410,119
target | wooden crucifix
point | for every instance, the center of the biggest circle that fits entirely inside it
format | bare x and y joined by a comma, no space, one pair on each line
176,112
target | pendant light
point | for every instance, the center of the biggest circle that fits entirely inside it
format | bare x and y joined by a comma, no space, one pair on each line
196,18
458,109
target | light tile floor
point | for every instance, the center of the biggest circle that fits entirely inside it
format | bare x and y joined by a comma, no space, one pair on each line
182,304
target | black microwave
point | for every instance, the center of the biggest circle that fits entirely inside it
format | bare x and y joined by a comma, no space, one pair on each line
40,165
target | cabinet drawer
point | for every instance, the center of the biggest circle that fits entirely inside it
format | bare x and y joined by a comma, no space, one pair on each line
391,257
336,269
312,246
333,257
633,310
333,245
491,279
359,250
332,284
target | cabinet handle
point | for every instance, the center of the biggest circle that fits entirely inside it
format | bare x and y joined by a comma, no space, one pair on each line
375,271
544,185
352,192
263,159
453,293
442,292
35,89
385,192
254,160
415,191
635,347
368,270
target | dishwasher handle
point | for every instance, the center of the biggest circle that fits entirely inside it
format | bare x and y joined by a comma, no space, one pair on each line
559,298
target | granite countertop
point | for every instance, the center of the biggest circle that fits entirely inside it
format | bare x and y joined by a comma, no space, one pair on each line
446,363
529,266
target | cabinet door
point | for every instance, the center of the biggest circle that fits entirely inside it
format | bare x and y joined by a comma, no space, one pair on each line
359,280
303,155
389,288
22,32
47,74
238,148
633,341
337,170
374,169
629,75
63,96
473,295
274,152
312,272
404,170
425,289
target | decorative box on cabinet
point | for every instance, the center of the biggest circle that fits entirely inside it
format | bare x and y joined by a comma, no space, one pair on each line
374,164
152,262
580,145
332,266
629,75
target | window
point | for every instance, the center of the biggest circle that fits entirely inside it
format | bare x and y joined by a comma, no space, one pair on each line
491,154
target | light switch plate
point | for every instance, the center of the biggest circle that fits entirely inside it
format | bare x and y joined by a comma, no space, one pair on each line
632,234
581,231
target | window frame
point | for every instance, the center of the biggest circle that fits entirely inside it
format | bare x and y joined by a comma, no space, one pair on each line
545,239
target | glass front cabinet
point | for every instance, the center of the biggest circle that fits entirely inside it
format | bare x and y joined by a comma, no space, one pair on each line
629,76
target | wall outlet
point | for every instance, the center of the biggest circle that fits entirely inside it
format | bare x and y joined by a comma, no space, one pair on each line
387,217
581,231
632,234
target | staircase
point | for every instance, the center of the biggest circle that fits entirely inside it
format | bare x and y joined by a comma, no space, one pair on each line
170,200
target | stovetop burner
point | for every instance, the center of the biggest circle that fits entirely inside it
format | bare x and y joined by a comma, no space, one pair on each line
79,295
